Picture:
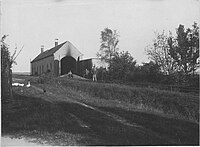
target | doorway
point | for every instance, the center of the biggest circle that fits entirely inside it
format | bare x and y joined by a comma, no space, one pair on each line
68,63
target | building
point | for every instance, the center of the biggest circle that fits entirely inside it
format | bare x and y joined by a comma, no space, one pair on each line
88,64
61,59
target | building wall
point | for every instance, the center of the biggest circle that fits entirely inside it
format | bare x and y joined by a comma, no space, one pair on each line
42,66
67,50
83,65
88,64
56,67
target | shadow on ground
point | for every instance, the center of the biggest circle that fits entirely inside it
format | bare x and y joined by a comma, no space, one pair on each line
178,131
63,123
32,117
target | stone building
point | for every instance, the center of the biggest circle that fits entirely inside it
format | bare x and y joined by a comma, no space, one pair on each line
61,59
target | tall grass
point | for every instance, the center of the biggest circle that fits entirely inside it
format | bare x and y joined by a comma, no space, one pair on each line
178,104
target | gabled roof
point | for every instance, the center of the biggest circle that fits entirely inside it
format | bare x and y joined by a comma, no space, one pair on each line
48,53
68,50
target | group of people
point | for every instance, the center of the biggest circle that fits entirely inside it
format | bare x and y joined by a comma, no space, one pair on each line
93,72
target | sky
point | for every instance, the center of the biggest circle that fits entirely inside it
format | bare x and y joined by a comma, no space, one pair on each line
32,23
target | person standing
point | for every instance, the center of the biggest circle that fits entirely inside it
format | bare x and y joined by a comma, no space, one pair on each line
86,73
94,72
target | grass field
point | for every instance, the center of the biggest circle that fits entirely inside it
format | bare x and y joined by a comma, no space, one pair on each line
175,104
157,117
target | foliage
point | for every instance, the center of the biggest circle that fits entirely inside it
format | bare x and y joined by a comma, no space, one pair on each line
151,68
148,72
102,74
177,56
109,42
7,61
44,78
121,65
184,48
159,52
6,75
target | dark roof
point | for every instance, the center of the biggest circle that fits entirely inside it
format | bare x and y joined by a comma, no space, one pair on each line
48,53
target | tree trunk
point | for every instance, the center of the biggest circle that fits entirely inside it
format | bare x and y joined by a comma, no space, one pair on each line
6,85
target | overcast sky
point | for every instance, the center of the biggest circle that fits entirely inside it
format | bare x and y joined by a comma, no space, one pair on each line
33,23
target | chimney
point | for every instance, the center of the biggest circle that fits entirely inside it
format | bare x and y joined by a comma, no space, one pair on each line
42,48
56,42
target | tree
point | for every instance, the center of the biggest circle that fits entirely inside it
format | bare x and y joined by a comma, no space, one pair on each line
148,72
159,53
121,65
109,42
6,73
6,63
150,68
184,49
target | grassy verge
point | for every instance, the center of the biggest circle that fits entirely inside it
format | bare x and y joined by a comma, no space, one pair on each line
178,105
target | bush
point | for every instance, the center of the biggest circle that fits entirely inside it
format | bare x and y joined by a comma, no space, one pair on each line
102,74
121,65
46,77
148,72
